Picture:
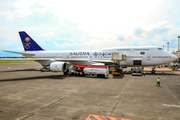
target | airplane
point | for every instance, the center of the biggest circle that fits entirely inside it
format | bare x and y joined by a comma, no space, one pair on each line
134,56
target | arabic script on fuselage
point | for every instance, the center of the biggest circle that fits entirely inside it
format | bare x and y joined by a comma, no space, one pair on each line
87,53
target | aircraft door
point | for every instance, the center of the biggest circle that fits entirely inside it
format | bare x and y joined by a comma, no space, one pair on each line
148,57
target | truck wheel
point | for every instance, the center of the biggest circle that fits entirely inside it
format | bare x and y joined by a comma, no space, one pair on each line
78,74
104,76
98,75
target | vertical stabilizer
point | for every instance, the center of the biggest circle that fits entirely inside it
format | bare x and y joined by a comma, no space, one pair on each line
28,43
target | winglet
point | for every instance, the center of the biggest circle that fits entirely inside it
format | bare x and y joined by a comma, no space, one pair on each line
28,43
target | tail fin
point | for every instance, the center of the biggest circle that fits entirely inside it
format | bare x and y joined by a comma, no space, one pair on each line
28,43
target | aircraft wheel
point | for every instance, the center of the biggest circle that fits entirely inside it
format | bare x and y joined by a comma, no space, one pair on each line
42,70
153,71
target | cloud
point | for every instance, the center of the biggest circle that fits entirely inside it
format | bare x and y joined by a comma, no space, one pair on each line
66,44
8,15
138,31
49,34
71,40
89,24
23,8
152,34
8,38
93,15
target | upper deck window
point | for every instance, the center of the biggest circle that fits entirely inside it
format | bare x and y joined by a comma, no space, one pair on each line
141,49
160,49
123,49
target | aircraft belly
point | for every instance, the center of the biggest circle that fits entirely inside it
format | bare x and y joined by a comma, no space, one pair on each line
153,62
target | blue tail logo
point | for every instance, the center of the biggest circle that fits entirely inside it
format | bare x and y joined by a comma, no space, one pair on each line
28,43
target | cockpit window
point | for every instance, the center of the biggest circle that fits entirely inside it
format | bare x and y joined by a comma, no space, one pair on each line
160,49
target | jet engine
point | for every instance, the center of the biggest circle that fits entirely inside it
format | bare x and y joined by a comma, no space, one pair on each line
58,66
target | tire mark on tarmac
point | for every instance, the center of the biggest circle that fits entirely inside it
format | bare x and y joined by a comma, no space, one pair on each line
171,92
44,106
120,96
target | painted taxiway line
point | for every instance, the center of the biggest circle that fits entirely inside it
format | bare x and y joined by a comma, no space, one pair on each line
100,117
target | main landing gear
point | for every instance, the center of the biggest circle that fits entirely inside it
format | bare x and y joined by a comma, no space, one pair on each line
153,71
43,70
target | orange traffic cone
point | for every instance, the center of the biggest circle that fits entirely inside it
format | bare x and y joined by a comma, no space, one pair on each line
67,76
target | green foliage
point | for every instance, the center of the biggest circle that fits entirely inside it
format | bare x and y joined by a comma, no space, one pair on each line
14,61
175,61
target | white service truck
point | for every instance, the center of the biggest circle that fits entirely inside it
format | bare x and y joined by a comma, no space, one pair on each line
92,70
99,72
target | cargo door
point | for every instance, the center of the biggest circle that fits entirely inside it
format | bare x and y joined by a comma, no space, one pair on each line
137,62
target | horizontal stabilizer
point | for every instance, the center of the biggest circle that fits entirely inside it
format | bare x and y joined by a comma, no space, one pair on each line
24,54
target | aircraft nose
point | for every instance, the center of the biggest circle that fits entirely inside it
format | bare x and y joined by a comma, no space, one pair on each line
174,57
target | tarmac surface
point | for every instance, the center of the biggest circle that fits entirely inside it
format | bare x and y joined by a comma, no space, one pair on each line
28,94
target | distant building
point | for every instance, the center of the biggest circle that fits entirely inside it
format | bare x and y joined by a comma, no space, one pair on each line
178,43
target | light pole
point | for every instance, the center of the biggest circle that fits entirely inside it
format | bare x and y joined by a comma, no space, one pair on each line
168,46
178,42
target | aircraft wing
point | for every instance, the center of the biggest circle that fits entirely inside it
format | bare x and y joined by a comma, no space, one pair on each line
107,62
76,61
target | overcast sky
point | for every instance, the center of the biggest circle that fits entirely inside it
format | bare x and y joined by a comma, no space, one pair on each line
89,24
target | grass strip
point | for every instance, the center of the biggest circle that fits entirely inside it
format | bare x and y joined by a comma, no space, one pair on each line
14,61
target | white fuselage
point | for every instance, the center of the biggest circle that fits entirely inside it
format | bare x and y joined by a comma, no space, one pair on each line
136,56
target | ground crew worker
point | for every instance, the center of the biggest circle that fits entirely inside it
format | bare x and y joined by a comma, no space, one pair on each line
158,82
144,73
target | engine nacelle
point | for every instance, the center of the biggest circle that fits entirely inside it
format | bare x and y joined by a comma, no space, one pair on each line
58,66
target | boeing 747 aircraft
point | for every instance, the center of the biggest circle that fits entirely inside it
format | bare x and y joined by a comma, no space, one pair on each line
58,60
